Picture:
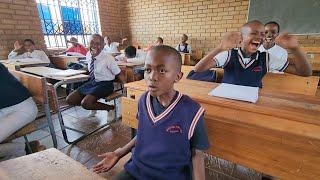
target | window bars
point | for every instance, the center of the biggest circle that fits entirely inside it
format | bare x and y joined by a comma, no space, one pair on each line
63,19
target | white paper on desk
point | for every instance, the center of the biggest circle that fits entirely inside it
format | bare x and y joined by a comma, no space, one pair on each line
66,73
74,54
26,60
237,92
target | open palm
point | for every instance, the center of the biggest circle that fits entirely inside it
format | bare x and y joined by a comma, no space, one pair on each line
109,160
287,41
230,40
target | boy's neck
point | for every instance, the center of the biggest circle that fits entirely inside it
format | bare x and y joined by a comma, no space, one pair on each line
268,45
245,53
165,99
183,43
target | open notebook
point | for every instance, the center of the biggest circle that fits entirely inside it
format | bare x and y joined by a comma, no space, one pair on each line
237,92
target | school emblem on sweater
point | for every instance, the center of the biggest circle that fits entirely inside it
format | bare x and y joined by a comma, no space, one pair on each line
257,69
174,129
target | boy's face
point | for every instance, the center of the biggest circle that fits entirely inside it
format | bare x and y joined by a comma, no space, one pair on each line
28,46
252,37
96,46
107,40
161,72
271,31
184,38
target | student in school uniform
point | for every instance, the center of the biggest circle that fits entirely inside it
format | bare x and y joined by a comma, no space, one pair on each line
171,133
130,55
112,47
158,42
183,46
270,46
27,50
17,109
246,65
102,70
76,48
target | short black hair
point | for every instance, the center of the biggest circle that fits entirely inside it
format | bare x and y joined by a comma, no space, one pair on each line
29,40
170,50
130,52
275,23
160,39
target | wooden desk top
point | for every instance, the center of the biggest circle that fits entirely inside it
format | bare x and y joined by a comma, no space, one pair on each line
47,72
286,112
66,56
129,64
50,164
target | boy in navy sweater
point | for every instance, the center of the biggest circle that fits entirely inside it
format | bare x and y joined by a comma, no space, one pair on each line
171,134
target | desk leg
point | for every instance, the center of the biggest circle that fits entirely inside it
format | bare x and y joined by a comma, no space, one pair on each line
63,129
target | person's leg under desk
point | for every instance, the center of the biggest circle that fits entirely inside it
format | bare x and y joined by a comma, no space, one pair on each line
15,117
75,98
12,119
90,102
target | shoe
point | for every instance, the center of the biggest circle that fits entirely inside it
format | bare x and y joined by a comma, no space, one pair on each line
111,115
92,113
35,147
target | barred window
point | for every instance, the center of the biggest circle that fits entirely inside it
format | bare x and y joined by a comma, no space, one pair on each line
63,19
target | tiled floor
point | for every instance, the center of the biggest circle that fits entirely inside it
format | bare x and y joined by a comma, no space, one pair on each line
107,139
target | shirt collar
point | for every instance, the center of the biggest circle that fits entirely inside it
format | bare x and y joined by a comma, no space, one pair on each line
254,56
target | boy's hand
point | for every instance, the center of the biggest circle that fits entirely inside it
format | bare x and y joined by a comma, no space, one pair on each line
230,40
108,161
287,41
17,46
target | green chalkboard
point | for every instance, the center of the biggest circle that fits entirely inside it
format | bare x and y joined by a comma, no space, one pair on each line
295,16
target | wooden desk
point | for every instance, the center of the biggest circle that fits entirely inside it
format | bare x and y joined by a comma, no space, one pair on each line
129,69
47,72
61,61
279,135
50,164
186,57
11,65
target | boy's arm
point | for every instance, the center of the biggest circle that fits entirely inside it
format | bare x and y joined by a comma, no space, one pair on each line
198,165
299,66
111,158
229,40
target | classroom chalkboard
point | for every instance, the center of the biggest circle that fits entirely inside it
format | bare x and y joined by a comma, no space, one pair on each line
295,16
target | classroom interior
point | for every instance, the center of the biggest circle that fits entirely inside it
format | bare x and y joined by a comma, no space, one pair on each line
277,138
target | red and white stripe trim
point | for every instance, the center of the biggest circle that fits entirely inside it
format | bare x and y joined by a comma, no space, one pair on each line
194,122
165,112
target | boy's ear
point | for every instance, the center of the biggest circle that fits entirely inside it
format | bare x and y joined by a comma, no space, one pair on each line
179,76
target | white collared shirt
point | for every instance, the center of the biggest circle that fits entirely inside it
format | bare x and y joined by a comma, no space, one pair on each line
275,62
112,48
281,55
36,54
105,66
182,48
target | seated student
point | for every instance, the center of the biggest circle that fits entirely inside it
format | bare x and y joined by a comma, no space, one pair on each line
76,48
112,47
27,50
269,45
102,70
158,42
171,133
17,109
130,55
246,65
183,46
